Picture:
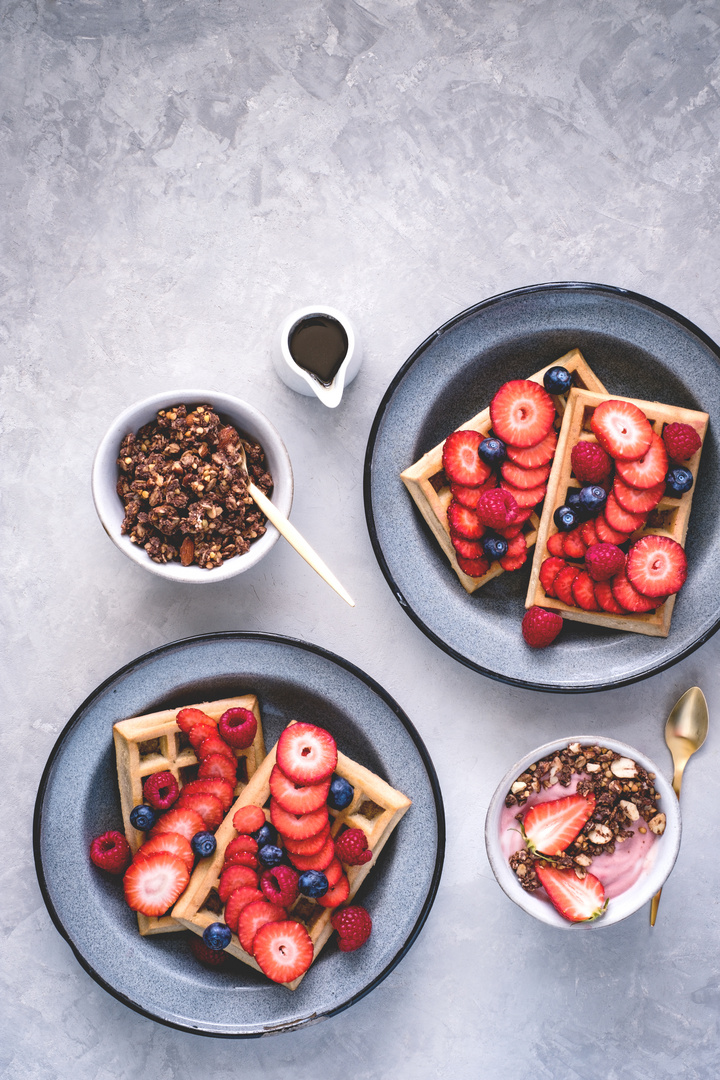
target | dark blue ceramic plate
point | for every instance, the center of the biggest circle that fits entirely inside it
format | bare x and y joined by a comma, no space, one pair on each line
638,348
78,799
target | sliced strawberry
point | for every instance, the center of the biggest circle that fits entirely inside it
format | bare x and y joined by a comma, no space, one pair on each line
577,899
473,567
555,545
516,553
336,894
550,827
522,413
248,819
629,598
637,500
242,843
588,533
207,805
296,798
647,471
315,862
172,843
199,732
523,478
254,916
584,592
469,549
298,826
511,531
532,457
607,535
284,950
236,877
153,884
468,496
187,718
620,519
622,429
333,872
605,598
563,585
574,546
237,900
184,821
215,745
461,461
311,846
218,765
306,754
464,521
549,571
526,498
657,566
242,858
216,786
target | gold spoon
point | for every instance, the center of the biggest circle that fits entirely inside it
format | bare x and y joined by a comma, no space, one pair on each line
685,731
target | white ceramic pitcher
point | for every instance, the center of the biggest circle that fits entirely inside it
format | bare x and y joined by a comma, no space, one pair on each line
302,381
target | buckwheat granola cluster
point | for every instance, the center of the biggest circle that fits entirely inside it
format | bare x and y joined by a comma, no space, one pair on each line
624,794
185,491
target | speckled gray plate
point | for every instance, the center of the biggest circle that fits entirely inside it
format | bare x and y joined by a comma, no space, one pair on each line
78,799
638,348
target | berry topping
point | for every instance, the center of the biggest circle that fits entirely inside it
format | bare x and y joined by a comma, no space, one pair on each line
184,821
337,893
266,834
187,718
218,766
557,380
352,847
555,544
235,877
549,571
550,827
603,561
620,519
657,566
237,900
573,501
142,817
497,508
298,826
606,534
242,858
467,549
209,957
334,872
589,534
242,843
622,429
592,498
648,470
171,842
605,598
319,861
468,496
354,927
525,497
270,855
311,846
222,788
590,463
111,852
463,521
203,844
217,936
584,592
283,950
565,518
522,413
541,627
492,451
313,883
476,568
161,790
238,727
637,500
255,915
341,793
573,544
629,598
280,885
249,819
681,441
563,584
297,798
678,481
213,744
153,884
516,553
579,900
207,805
198,733
495,547
306,754
461,460
532,457
521,477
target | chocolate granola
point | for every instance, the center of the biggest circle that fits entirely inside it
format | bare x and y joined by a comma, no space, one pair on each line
624,793
185,491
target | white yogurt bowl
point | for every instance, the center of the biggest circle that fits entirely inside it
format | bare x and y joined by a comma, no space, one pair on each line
659,862
248,420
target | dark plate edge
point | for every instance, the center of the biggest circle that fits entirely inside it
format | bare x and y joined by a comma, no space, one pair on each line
275,639
576,286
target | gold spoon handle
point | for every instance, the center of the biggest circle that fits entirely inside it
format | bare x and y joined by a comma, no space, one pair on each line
677,784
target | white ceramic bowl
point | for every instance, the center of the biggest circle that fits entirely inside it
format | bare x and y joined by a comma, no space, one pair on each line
620,907
248,420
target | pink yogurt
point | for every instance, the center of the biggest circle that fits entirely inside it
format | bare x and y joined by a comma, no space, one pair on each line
617,872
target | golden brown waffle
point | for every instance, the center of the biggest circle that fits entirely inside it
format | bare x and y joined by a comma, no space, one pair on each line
670,518
154,743
376,808
427,483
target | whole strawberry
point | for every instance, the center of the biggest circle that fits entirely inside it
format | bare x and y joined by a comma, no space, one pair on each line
354,927
351,847
590,462
681,441
497,508
603,561
111,852
540,627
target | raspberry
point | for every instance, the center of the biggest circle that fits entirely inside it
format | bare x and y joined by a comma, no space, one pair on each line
354,927
540,627
603,561
209,957
497,508
681,441
590,463
280,885
161,790
352,848
238,728
111,852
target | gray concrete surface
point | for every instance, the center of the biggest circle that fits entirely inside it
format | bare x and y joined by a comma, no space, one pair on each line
175,179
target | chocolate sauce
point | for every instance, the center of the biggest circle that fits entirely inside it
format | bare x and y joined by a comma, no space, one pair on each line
318,345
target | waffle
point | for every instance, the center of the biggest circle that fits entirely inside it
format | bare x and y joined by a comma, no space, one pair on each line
670,518
376,808
154,743
427,483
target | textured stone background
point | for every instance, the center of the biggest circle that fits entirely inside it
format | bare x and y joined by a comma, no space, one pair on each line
175,178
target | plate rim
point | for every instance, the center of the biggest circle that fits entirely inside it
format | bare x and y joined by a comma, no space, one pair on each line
474,309
281,639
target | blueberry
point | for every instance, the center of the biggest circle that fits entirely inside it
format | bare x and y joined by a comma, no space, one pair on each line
492,451
217,936
203,844
566,518
270,856
266,834
592,498
142,817
313,883
557,380
678,481
340,794
495,546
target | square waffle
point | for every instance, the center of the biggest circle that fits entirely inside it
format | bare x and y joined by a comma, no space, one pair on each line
376,808
154,743
427,483
670,518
